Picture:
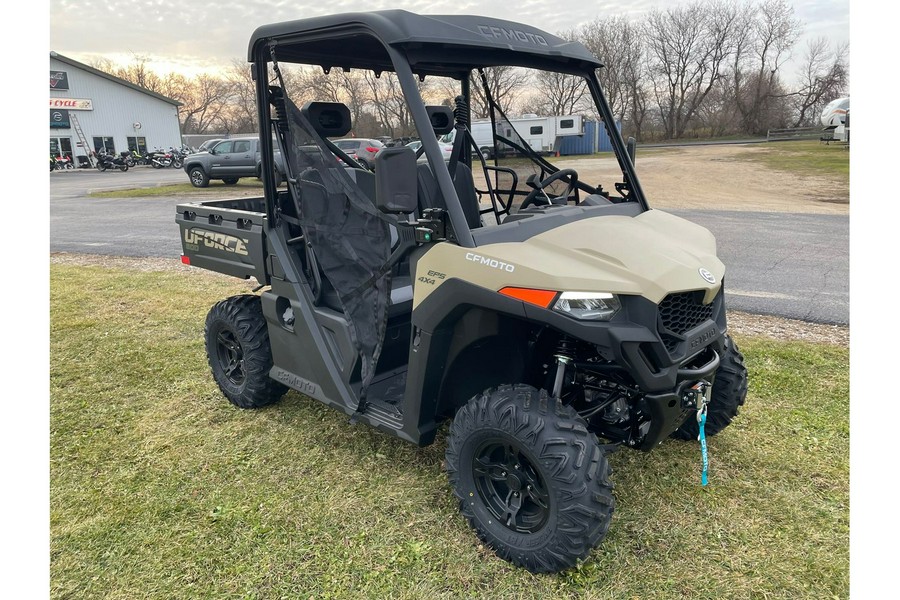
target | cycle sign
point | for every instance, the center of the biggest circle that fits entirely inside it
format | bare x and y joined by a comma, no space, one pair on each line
72,103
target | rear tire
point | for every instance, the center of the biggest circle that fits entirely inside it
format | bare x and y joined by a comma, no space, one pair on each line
230,181
239,354
532,481
728,394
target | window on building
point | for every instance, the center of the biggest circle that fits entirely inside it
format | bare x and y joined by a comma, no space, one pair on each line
137,143
536,130
61,147
105,144
567,124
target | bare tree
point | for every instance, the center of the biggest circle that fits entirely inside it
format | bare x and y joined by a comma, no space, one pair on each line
240,114
688,47
203,101
824,76
556,93
619,45
137,71
718,115
505,83
608,39
764,47
389,103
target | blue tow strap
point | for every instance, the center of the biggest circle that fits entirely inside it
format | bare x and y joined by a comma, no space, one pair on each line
703,391
704,476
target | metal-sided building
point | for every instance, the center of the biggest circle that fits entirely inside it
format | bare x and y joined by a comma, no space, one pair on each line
93,110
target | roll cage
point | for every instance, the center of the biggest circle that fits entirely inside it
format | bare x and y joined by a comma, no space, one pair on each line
415,46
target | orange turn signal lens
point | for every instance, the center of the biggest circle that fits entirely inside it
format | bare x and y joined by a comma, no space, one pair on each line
542,298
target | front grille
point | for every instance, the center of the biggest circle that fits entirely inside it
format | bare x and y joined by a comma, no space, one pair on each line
682,312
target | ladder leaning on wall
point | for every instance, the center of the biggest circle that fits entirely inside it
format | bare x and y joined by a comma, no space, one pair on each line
84,143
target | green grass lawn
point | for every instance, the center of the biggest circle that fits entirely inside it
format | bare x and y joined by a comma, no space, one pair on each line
805,157
161,489
245,186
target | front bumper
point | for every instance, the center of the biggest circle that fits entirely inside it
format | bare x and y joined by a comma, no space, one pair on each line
637,340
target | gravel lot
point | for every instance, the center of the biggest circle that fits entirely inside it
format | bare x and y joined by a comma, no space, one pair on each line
714,177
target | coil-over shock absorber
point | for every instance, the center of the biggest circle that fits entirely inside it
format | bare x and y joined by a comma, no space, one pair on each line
276,99
565,355
461,112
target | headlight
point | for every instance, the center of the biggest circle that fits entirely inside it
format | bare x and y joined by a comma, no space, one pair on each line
592,306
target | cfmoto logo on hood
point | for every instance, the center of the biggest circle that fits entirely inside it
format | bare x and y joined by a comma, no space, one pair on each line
709,277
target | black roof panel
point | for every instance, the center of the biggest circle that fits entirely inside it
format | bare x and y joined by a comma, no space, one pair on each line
433,43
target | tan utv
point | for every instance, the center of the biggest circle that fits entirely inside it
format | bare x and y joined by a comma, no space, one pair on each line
550,318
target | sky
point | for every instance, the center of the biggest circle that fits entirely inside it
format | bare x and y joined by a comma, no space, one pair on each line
205,35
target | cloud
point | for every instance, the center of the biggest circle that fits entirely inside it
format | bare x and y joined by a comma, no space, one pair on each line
198,35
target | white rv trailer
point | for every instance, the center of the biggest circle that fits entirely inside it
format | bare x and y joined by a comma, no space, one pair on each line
542,134
836,119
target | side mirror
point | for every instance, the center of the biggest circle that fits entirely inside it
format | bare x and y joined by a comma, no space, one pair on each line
211,150
630,146
395,180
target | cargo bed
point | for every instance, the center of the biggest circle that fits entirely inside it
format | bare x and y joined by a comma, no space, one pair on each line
227,236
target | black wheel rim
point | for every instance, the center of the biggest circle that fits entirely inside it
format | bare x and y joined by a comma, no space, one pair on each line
231,356
511,488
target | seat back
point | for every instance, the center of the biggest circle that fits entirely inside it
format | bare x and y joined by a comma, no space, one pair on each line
430,195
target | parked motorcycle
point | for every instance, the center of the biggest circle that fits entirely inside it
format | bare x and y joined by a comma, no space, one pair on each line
62,162
128,157
107,161
140,159
178,155
160,159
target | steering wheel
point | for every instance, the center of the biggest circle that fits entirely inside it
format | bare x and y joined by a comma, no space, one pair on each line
539,187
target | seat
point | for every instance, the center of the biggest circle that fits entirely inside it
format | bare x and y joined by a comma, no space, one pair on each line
430,195
401,285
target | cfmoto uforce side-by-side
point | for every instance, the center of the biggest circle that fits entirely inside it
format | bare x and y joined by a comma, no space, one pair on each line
550,318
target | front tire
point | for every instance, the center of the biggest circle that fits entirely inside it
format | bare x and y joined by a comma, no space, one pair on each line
239,354
728,394
532,481
199,178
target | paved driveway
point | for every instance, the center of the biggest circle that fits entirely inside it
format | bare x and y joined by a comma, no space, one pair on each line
786,264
